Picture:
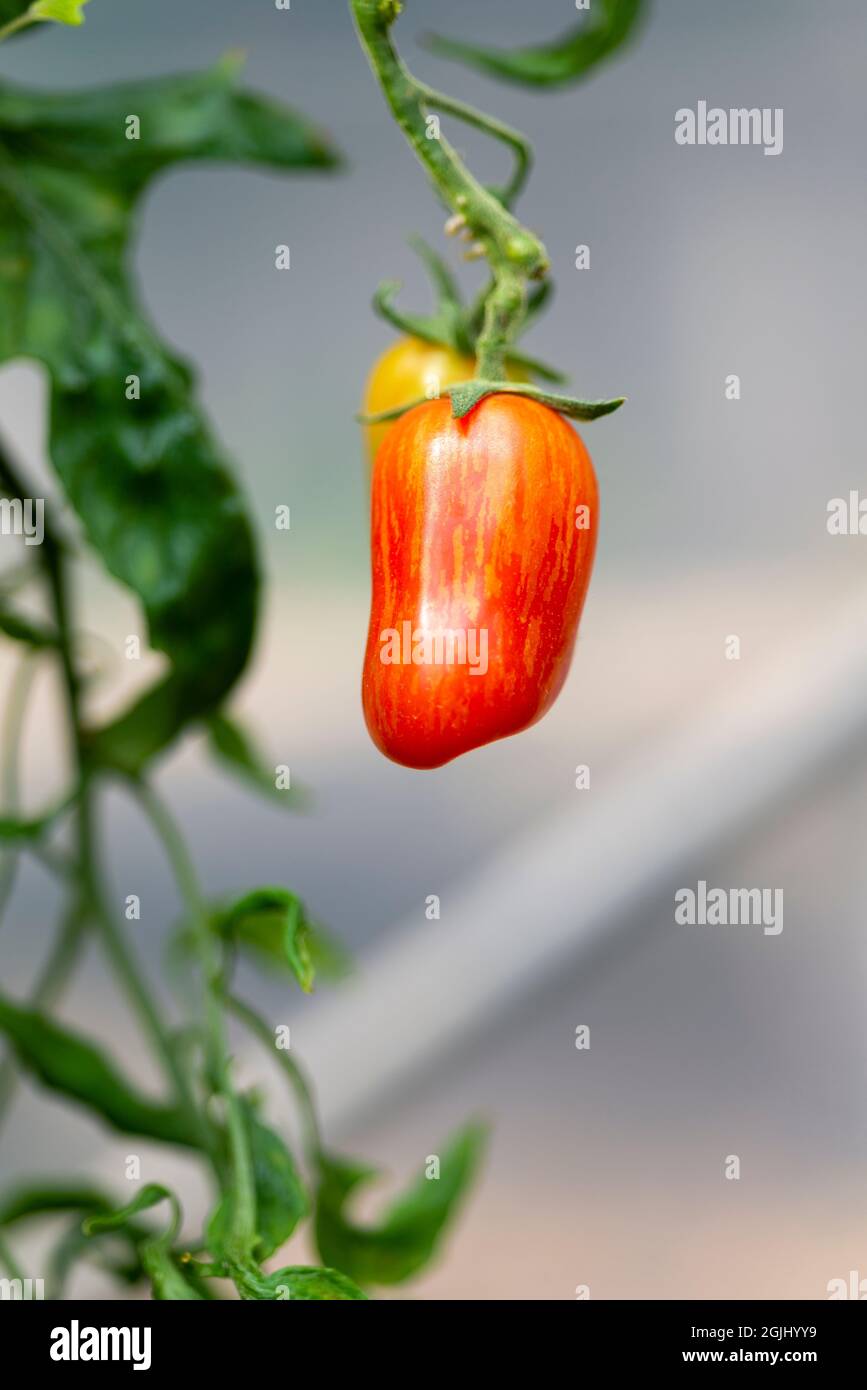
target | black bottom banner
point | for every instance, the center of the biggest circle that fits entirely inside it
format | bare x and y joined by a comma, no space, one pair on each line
85,1339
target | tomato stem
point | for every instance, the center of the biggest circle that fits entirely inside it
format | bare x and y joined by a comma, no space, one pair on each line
241,1180
20,22
515,255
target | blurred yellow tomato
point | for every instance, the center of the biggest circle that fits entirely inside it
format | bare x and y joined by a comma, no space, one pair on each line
407,371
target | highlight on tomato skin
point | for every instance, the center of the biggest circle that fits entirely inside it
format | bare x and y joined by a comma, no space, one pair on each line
483,532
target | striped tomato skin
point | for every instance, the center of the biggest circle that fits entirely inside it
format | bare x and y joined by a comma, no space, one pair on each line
483,532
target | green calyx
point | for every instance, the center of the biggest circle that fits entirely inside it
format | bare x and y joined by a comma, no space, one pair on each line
466,395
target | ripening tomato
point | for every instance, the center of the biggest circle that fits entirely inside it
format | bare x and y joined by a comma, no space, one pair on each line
483,532
405,372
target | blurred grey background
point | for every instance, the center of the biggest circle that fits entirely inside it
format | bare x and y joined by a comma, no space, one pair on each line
606,1166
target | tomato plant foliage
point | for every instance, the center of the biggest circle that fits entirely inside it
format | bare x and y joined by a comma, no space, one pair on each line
606,27
408,1234
70,1064
155,498
131,445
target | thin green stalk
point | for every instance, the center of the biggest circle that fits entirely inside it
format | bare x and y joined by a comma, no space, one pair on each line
21,21
126,967
297,1079
91,900
515,255
57,966
519,145
53,562
242,1186
9,750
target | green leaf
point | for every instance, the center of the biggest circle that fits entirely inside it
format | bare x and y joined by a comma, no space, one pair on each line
310,1285
234,748
72,1246
409,1233
145,475
155,1253
608,26
151,1194
42,1200
47,1200
273,923
61,11
71,1065
281,1201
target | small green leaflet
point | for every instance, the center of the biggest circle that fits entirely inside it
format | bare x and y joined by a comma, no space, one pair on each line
273,923
281,1201
61,11
15,15
149,1196
609,25
47,1199
408,1235
155,1252
24,1202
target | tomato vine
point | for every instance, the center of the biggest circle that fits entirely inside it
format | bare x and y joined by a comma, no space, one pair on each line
146,485
516,256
